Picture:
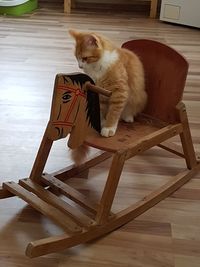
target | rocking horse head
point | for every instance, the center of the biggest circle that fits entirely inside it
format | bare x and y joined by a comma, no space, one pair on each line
74,109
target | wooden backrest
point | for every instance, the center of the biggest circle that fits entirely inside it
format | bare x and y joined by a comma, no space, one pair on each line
165,75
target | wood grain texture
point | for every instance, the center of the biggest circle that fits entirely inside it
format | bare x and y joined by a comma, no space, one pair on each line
33,49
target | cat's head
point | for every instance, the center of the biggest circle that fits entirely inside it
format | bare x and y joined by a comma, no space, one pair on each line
89,48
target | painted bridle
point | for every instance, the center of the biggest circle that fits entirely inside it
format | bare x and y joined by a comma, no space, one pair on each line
74,105
68,94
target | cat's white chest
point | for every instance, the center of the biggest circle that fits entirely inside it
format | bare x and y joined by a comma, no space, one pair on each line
98,69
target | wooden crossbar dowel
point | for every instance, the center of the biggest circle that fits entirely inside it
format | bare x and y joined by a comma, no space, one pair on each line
57,202
73,170
70,192
97,89
46,209
173,148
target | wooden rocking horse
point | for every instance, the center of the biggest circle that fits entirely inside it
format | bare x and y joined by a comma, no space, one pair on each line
74,112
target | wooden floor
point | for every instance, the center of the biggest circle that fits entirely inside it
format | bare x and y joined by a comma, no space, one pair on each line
33,49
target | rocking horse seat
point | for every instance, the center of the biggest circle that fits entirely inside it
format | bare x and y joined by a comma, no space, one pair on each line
133,135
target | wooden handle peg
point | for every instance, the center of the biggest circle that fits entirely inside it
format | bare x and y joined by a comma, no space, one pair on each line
97,89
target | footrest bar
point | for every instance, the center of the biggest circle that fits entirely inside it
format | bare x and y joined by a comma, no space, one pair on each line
57,216
70,192
50,198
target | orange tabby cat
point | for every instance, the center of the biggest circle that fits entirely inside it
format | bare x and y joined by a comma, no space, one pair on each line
115,69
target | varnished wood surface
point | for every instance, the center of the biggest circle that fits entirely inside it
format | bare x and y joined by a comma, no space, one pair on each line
33,49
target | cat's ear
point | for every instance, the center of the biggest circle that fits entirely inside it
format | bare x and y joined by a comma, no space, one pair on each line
74,33
88,39
91,40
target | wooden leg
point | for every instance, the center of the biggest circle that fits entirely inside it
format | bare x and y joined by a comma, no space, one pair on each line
153,10
186,138
110,187
67,6
41,158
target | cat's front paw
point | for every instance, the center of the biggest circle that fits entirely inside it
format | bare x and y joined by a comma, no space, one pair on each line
108,131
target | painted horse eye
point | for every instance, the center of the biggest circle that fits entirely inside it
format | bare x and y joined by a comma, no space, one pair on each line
84,59
66,97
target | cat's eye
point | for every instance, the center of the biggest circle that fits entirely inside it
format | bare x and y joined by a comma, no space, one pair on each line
84,58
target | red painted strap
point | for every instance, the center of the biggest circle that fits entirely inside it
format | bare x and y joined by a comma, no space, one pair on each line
77,92
71,107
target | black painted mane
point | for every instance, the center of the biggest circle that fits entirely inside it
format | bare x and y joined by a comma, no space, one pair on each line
93,107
